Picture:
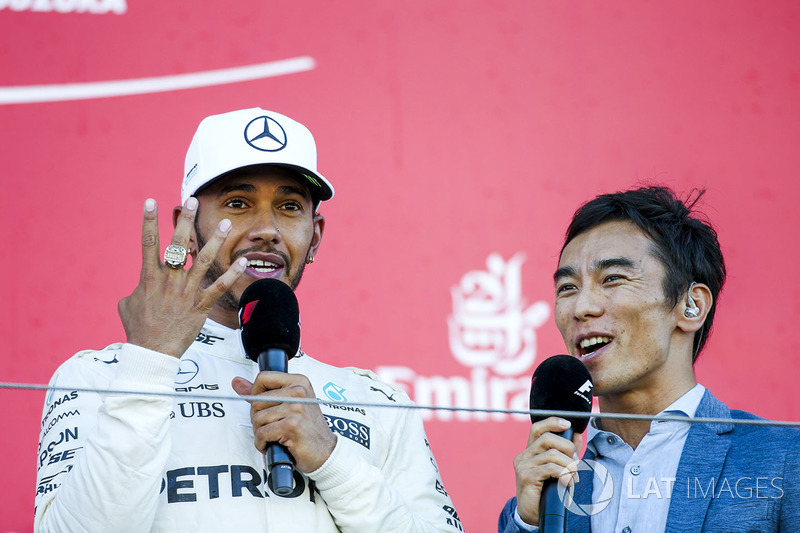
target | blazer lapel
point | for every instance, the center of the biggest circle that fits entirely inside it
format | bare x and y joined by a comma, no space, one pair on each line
582,494
699,469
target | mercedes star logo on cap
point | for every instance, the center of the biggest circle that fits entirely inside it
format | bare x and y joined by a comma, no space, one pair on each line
266,134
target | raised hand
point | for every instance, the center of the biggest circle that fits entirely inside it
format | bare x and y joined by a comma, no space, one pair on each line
168,307
300,427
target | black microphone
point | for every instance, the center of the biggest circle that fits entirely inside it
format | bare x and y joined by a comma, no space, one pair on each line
270,321
560,383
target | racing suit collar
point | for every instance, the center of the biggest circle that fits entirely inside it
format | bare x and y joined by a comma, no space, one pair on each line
218,339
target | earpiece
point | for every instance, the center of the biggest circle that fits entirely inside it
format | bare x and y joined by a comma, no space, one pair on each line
691,311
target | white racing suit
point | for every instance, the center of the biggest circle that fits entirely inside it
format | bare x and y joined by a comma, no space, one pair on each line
121,462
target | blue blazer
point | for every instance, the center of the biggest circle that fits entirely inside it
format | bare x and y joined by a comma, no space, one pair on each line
763,460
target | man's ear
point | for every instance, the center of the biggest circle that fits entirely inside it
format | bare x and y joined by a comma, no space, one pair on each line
319,228
176,212
693,309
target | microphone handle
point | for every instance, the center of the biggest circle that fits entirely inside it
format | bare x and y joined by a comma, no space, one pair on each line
552,513
279,461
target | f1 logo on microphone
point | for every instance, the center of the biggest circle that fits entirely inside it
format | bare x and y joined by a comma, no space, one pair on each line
585,391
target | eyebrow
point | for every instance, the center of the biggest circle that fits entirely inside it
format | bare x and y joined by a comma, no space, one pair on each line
241,187
564,272
250,188
289,189
600,264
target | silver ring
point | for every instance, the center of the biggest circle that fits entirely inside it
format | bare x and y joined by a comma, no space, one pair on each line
175,256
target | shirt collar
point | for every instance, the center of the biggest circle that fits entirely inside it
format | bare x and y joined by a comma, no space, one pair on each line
685,405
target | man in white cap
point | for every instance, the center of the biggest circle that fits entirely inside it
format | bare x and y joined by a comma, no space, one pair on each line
115,461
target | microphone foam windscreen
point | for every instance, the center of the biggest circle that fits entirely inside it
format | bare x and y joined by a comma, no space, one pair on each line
270,318
562,383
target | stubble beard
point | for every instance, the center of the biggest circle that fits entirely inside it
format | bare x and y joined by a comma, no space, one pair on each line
228,300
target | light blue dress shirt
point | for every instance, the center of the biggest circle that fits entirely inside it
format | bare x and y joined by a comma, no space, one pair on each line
642,478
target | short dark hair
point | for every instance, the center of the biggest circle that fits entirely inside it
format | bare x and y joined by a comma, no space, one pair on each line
683,240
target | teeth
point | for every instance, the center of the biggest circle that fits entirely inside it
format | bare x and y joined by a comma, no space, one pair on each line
591,341
261,265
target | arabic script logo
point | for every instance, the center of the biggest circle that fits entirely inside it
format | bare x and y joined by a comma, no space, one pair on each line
491,325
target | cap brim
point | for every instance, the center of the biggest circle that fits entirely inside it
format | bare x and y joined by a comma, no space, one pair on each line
321,190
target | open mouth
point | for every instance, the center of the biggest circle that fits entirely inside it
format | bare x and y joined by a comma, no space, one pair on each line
590,345
261,266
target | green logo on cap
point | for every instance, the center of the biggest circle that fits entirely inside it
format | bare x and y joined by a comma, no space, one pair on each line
312,180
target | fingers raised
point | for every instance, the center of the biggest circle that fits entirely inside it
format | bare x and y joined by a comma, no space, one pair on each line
205,257
150,244
185,222
212,293
167,309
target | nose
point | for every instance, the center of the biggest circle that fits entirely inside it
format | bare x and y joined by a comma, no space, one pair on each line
264,228
588,304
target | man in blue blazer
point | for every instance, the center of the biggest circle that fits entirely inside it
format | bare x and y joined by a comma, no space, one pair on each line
636,290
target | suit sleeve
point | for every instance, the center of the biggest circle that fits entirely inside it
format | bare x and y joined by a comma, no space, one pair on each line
790,499
509,521
102,455
404,494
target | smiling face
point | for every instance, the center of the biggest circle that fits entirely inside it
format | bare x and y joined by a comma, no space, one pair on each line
612,313
273,225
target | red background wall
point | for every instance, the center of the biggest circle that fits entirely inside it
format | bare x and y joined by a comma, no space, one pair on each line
451,130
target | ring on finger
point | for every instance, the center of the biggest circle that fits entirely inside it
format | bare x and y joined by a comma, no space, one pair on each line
175,256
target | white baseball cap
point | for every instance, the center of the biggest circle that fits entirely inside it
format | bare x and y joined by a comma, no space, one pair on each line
225,142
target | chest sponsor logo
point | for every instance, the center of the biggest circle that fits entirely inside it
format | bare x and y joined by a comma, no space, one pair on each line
61,399
57,457
199,386
334,392
107,360
47,483
205,338
188,371
348,408
46,450
389,397
453,519
350,429
199,410
197,483
58,418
